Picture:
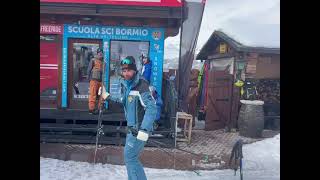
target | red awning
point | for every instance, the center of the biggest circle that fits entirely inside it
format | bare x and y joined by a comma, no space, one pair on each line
164,3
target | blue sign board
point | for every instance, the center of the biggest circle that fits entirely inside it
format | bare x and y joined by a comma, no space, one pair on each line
155,36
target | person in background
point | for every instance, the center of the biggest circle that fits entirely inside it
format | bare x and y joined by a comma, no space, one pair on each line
159,104
95,72
146,69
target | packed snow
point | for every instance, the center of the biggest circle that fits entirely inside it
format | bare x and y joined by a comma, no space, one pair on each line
261,162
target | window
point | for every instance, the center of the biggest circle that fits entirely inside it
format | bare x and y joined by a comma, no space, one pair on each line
120,50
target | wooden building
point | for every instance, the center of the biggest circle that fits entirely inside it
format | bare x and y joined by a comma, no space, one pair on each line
228,61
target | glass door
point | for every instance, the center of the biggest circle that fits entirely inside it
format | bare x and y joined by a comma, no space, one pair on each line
81,51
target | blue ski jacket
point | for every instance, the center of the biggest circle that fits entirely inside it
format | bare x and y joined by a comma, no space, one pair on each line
139,105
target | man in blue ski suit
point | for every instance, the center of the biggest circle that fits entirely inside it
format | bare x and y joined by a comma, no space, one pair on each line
140,113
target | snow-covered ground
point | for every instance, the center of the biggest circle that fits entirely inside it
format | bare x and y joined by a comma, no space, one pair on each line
261,162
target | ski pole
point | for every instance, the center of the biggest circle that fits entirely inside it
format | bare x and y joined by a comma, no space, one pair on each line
168,153
101,103
99,131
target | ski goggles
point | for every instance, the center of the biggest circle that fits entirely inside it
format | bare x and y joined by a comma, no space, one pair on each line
99,50
126,61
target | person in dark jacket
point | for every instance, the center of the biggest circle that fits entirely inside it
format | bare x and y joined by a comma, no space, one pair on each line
146,69
159,104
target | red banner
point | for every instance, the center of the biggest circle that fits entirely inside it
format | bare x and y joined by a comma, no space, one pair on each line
51,29
168,3
48,67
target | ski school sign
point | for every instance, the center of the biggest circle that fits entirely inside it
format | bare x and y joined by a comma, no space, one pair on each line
107,32
155,37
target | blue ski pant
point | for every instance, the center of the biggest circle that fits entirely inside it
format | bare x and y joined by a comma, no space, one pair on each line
132,151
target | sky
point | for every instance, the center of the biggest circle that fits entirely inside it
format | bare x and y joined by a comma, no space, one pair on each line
251,22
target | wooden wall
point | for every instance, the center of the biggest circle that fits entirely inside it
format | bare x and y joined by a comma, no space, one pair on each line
268,67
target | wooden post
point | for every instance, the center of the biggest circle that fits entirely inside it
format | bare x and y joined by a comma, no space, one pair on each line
190,128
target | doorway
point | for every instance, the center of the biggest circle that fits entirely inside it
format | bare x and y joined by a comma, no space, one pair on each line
81,51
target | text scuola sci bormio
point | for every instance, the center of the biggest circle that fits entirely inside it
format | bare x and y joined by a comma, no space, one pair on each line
108,31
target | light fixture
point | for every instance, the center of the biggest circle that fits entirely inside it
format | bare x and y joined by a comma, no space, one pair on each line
86,18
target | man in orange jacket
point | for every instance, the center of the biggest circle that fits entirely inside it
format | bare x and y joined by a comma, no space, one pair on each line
95,73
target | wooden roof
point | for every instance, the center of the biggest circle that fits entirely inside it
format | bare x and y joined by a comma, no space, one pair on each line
218,36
